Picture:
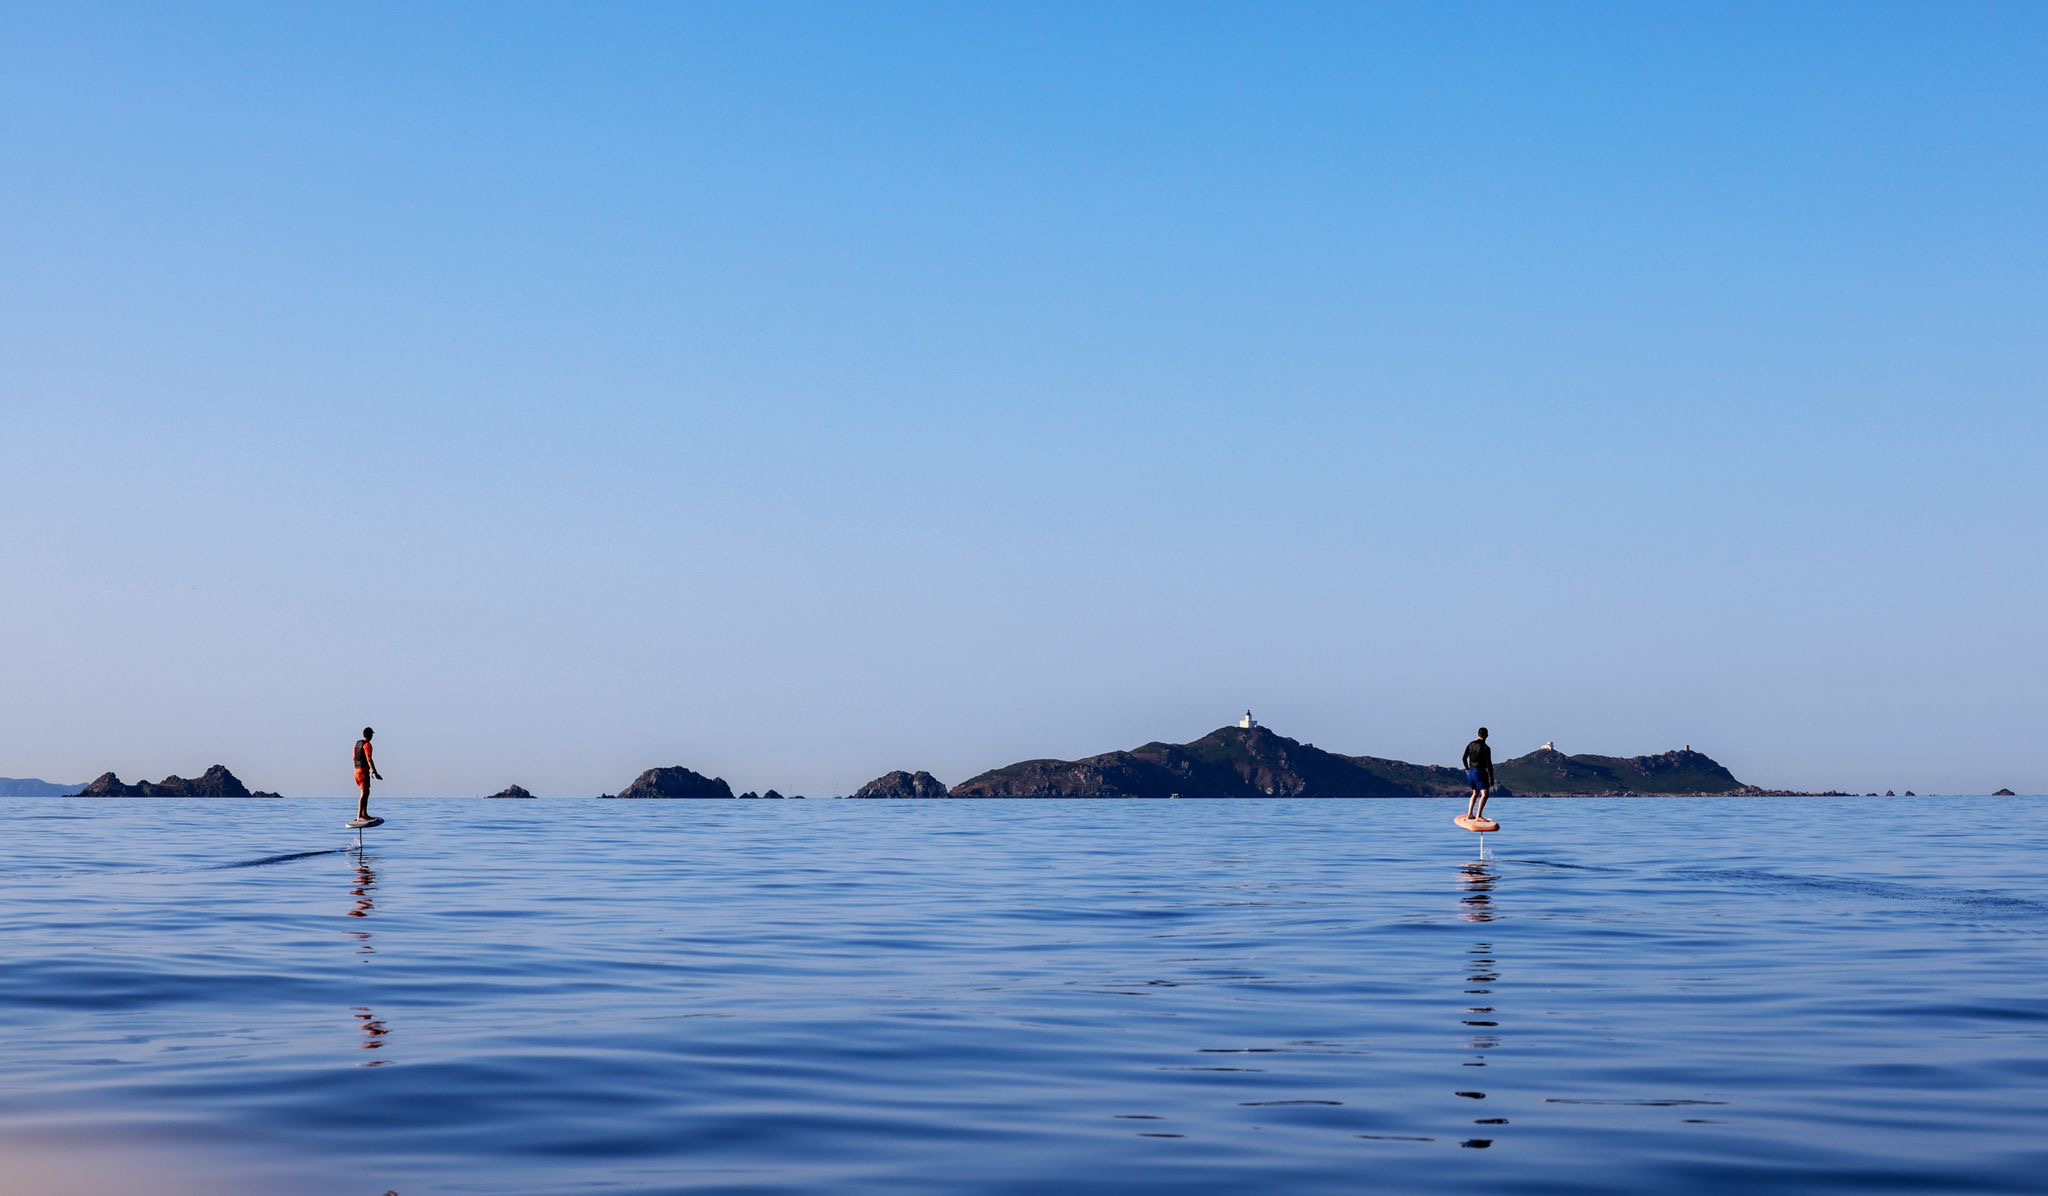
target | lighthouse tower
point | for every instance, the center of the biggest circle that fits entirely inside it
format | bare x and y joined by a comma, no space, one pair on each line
1247,722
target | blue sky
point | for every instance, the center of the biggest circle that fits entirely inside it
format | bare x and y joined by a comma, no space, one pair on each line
799,392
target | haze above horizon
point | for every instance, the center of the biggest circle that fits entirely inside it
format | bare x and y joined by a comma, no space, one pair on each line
799,393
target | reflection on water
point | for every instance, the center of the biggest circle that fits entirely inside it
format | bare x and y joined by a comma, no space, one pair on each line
1477,880
373,1028
374,1031
366,883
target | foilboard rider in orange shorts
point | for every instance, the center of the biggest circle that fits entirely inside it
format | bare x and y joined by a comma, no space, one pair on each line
366,767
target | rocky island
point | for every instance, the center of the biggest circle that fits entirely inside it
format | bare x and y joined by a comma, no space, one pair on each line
513,791
214,782
901,784
674,781
1547,772
1250,761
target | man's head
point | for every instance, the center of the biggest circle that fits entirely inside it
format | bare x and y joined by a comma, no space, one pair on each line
369,733
1482,732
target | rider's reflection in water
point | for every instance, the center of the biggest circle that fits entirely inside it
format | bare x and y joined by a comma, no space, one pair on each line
366,883
1477,880
372,1026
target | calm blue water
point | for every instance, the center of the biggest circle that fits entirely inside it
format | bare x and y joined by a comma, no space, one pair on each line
1023,997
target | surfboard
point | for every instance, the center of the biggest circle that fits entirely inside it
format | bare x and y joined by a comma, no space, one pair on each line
1481,825
356,824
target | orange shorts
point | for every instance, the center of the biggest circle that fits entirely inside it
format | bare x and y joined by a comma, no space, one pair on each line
362,777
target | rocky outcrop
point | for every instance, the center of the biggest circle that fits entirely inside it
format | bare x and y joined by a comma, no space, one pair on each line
904,784
771,795
214,782
675,782
2005,793
512,791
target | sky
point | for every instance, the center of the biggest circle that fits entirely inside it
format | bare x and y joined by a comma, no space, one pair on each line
798,392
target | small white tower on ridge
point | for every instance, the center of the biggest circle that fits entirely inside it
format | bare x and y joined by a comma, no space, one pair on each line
1247,722
1548,747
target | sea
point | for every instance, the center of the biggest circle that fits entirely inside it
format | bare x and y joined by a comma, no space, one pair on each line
1024,997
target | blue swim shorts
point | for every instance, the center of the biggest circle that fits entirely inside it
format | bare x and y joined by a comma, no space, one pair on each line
1477,778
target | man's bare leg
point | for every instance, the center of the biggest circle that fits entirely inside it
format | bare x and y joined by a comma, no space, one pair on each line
363,802
1482,795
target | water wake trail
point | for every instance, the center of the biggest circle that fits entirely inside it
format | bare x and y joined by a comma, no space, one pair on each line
1842,886
277,859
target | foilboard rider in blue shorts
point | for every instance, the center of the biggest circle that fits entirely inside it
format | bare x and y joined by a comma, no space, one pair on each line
1478,771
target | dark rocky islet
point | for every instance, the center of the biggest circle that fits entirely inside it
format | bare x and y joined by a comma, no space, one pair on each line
901,784
214,782
674,781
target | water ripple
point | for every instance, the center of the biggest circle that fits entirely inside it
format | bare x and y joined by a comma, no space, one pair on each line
999,997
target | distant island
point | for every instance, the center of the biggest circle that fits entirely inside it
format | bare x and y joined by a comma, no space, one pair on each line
514,791
1252,761
34,787
214,782
674,781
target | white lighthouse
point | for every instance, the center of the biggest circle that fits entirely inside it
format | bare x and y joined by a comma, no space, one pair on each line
1247,722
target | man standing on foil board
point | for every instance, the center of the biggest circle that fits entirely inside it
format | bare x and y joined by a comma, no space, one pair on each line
1478,771
366,767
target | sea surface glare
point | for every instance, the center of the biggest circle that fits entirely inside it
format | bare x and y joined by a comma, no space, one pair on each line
1024,997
